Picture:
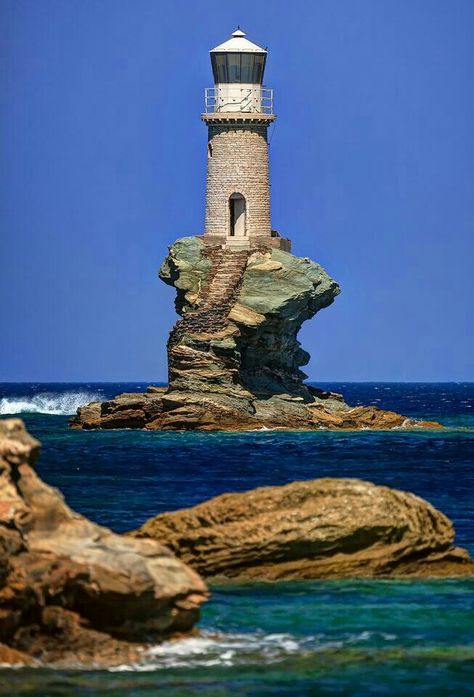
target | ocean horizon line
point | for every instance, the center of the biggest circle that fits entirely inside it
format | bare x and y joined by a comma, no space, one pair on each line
309,382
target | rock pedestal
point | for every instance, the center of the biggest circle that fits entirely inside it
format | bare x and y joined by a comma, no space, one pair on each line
234,359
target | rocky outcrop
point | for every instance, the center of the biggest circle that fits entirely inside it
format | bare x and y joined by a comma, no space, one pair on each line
254,354
127,410
234,359
74,592
325,528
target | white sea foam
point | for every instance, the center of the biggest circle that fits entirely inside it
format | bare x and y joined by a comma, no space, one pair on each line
261,429
47,403
218,650
408,423
210,649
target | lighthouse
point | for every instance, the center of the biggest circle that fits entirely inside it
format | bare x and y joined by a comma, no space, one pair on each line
238,112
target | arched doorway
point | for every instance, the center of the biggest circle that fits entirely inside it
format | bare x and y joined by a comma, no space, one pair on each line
237,210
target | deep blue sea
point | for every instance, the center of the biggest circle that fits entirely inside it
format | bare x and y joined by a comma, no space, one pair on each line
302,639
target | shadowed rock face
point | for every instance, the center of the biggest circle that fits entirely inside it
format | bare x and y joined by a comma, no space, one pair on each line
234,359
72,591
326,528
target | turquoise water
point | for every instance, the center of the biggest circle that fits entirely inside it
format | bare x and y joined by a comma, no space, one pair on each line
308,638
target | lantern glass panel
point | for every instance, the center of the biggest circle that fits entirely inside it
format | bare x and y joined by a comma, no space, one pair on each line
233,67
247,64
258,69
219,67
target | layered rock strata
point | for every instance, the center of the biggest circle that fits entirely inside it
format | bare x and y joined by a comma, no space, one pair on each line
73,592
325,528
234,359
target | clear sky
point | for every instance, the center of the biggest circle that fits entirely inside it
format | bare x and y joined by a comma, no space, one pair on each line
103,166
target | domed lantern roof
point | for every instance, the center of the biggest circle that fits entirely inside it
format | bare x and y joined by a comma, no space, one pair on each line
238,60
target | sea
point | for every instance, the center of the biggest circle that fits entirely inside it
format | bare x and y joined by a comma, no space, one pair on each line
299,639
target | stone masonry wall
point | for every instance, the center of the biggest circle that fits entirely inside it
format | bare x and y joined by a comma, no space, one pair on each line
237,163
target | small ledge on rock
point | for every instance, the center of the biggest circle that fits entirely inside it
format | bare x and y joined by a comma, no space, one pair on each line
267,266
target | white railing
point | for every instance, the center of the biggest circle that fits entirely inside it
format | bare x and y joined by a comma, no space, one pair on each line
239,99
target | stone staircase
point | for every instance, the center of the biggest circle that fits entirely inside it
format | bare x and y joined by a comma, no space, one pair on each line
217,295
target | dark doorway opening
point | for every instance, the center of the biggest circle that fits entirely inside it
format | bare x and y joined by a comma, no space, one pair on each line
237,210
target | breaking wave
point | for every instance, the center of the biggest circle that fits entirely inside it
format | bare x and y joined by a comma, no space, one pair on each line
47,403
212,650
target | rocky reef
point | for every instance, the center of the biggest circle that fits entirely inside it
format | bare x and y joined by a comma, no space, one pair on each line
234,359
73,592
325,528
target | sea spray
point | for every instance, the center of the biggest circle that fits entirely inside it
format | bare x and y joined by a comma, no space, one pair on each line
52,403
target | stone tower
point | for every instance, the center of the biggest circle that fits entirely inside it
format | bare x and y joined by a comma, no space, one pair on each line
238,112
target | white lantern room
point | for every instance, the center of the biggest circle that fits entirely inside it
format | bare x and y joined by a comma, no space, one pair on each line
238,66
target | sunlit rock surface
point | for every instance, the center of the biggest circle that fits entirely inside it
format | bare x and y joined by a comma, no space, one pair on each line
325,528
73,592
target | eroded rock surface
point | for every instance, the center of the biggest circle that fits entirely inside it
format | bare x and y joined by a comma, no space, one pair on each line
234,359
325,528
72,591
127,410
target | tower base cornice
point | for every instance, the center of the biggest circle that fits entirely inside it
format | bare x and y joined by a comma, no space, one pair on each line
240,117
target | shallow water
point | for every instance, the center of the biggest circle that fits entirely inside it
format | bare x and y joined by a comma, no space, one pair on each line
312,638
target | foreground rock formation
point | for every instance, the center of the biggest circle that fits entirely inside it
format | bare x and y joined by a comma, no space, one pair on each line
325,528
234,359
72,592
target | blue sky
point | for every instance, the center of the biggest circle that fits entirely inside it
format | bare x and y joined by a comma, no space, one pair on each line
103,166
